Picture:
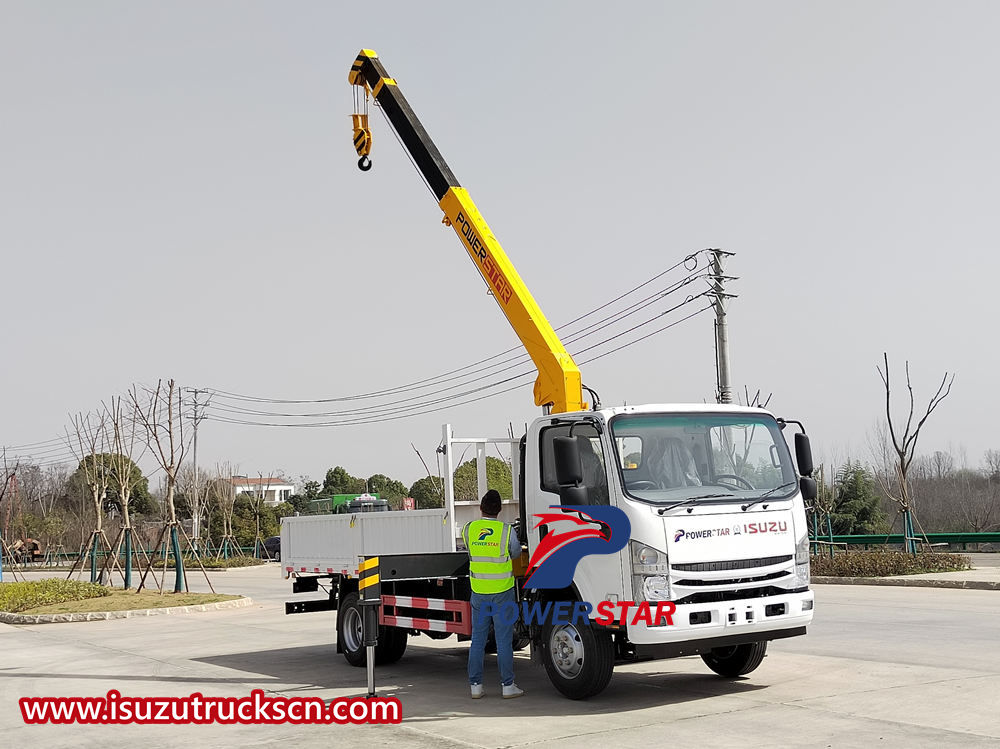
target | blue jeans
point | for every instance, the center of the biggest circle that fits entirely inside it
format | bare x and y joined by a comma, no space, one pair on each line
503,628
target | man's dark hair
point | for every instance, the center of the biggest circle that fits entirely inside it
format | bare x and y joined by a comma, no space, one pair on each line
491,503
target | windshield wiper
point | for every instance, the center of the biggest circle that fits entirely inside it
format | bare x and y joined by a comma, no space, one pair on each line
691,500
767,494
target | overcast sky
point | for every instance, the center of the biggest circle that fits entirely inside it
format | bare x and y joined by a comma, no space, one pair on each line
179,198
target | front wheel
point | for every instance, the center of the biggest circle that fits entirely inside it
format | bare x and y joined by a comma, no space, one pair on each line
578,660
736,660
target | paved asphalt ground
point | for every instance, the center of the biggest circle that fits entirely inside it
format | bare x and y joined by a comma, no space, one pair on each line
880,667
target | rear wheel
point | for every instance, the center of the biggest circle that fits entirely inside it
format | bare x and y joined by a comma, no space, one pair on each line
578,660
736,660
350,634
391,645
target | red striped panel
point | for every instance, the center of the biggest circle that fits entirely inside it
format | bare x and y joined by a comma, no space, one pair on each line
433,604
411,622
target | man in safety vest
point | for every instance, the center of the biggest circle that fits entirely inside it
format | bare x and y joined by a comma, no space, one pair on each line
491,544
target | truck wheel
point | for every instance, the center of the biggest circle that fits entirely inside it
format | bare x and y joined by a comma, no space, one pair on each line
391,645
579,661
736,660
392,641
350,630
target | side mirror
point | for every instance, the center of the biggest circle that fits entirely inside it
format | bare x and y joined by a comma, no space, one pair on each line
803,454
808,488
566,451
569,471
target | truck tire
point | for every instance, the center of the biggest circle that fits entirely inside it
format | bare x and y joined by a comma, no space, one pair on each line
736,660
578,660
350,634
391,645
392,641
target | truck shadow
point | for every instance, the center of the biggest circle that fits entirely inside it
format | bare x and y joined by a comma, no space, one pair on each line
431,682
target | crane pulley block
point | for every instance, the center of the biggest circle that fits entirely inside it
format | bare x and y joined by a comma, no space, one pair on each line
362,140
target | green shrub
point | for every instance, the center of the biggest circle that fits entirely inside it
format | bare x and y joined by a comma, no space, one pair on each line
885,563
212,563
16,597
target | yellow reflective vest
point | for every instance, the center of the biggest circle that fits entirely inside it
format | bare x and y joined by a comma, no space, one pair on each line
490,567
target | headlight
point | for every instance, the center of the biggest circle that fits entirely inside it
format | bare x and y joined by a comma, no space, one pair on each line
649,573
646,555
656,588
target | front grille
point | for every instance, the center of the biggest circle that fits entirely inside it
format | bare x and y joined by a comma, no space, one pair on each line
734,564
733,595
736,580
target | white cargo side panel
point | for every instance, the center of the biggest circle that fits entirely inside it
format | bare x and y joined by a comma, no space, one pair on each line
333,543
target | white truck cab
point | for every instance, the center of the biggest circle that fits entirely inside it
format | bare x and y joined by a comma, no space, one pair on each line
717,525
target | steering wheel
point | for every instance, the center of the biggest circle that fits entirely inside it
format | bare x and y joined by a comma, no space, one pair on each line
737,479
642,485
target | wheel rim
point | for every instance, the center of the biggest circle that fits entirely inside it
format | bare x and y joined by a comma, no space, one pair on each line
566,651
353,635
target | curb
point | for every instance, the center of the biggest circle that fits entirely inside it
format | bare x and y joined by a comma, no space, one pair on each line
905,583
100,616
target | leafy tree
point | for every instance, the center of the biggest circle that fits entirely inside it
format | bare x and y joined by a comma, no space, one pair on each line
246,510
388,489
140,501
310,489
300,504
339,481
497,477
856,503
427,493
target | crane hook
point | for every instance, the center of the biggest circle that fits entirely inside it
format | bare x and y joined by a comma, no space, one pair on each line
364,163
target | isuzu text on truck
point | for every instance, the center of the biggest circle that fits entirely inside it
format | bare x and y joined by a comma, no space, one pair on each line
651,531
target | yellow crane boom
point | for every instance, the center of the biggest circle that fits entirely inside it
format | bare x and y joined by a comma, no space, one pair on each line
558,385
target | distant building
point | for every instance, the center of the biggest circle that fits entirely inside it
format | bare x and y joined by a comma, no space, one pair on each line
273,490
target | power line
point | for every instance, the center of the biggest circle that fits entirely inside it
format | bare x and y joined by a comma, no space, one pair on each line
418,401
424,408
691,263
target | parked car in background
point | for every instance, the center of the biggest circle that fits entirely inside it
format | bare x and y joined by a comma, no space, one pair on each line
271,549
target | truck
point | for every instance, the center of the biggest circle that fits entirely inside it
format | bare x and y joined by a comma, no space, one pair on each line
648,531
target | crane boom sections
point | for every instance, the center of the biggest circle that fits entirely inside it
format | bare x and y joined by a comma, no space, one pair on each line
558,384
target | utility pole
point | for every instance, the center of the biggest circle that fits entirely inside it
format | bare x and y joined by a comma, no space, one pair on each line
724,389
196,502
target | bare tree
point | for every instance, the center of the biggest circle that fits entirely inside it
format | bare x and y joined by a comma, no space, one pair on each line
943,464
89,442
8,484
222,492
128,447
904,445
159,412
991,463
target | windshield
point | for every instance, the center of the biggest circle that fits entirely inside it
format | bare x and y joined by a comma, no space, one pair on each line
667,458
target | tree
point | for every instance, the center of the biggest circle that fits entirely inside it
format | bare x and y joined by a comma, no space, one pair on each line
310,489
427,493
904,445
498,476
339,481
90,439
8,479
159,411
222,495
388,489
855,506
991,464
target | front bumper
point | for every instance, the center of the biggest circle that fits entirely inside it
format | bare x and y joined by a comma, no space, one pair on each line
744,620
